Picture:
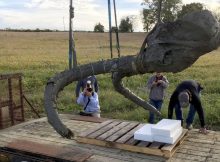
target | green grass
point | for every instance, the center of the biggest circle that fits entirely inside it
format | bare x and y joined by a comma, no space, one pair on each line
40,56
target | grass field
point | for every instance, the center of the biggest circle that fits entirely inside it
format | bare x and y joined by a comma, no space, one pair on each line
40,56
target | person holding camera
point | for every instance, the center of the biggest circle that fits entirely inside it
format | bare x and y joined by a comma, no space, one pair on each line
81,84
157,85
90,102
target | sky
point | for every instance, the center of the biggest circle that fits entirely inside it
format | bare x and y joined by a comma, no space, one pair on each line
54,14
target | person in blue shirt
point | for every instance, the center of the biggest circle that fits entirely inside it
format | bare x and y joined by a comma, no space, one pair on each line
90,102
82,84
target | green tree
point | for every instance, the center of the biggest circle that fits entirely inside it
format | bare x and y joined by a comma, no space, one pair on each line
99,28
190,8
126,25
169,10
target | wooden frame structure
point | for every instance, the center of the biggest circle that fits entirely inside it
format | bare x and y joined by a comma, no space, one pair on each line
11,108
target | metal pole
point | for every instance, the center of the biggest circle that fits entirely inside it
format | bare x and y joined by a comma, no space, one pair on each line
110,26
159,11
72,51
116,24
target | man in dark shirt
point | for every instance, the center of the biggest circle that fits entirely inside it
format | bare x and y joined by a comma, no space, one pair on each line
82,84
187,93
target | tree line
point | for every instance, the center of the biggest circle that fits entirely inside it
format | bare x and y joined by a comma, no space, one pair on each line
29,30
170,11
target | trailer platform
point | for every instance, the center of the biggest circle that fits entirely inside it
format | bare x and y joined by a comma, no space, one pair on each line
36,140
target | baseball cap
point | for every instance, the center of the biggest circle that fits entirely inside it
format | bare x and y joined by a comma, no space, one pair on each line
183,98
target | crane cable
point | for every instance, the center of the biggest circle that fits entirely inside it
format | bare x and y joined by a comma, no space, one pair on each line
116,28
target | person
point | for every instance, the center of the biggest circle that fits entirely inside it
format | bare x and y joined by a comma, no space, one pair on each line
90,102
187,93
157,85
82,83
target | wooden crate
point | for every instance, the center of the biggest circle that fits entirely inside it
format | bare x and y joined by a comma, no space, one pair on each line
120,134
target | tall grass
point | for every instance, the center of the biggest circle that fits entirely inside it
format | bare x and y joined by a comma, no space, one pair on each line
40,56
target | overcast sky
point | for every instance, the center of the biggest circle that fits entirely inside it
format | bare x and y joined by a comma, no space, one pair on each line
54,14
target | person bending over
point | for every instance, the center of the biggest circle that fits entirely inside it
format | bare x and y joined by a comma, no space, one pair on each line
187,94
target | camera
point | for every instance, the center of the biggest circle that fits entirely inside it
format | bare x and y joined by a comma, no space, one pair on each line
89,87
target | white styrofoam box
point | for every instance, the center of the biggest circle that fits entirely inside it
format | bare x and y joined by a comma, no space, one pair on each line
144,133
166,127
169,140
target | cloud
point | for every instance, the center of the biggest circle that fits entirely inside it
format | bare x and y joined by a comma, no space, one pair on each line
54,14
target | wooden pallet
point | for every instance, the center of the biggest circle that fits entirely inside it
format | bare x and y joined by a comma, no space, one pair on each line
120,134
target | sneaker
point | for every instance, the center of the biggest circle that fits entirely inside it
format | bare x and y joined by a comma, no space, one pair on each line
189,126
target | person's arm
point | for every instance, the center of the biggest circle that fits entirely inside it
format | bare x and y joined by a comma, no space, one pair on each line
198,106
94,100
78,87
172,103
96,86
80,99
151,82
164,82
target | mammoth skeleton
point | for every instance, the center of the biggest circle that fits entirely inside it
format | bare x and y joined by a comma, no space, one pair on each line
169,47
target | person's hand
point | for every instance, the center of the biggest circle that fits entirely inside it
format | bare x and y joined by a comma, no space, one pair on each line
160,81
155,83
203,131
87,93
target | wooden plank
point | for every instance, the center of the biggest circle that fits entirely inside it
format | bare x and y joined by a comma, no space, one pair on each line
96,150
143,144
99,158
204,145
212,160
217,137
169,147
193,152
83,134
201,136
129,135
178,160
215,151
103,129
145,150
88,119
207,141
112,131
123,131
49,150
132,141
216,156
189,157
156,145
191,147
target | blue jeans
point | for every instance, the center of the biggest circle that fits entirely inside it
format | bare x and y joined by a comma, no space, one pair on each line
190,116
157,104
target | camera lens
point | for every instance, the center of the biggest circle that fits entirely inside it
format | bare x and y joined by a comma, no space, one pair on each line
89,89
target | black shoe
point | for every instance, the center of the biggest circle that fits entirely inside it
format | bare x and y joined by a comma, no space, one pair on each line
84,113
